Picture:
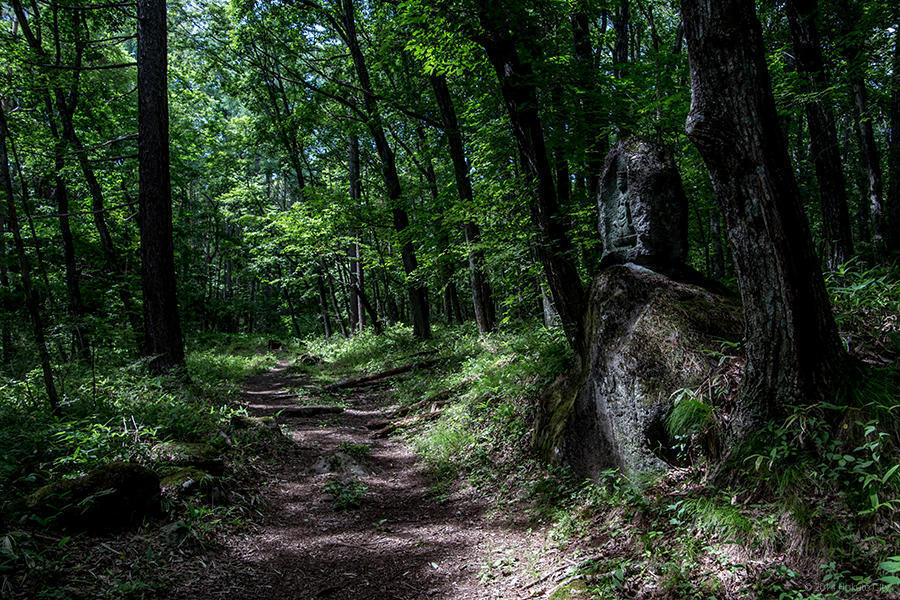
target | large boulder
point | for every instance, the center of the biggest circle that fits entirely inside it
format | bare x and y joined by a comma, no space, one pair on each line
648,336
642,206
114,496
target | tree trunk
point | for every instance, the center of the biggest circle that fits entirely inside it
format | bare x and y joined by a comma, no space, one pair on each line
323,305
870,158
894,149
357,312
31,301
482,301
416,290
334,303
554,247
871,163
592,113
794,355
367,306
823,134
162,327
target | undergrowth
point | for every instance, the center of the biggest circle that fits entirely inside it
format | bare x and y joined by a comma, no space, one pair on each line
810,516
115,411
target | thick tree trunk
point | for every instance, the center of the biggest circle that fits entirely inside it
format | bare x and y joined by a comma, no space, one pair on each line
31,301
794,355
482,300
554,247
162,326
823,134
416,290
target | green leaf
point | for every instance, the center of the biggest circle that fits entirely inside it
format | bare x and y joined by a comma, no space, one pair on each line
890,472
890,566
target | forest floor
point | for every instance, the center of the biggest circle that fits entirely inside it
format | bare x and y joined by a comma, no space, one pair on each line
402,541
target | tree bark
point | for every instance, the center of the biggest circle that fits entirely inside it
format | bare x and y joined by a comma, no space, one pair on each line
823,134
554,247
162,326
717,257
794,355
416,290
31,301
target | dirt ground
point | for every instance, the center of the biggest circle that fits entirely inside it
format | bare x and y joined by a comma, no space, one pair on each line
400,543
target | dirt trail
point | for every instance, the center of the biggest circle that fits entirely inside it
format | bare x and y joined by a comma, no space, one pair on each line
399,544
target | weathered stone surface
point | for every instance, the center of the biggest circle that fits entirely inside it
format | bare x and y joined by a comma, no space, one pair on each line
339,463
113,496
642,206
648,337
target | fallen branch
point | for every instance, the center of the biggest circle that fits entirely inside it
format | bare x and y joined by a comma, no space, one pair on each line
382,375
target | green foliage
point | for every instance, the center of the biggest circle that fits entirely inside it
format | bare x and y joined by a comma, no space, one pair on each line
690,414
357,451
866,302
346,492
116,415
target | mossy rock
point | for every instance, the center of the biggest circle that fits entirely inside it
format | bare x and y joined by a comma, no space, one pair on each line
189,454
244,422
648,336
114,496
188,481
573,589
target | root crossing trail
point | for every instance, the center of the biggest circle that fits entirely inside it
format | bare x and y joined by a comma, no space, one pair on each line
400,543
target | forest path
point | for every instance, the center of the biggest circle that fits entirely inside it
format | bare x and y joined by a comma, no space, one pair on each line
400,543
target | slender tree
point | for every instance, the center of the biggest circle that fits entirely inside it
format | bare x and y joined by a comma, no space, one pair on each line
416,290
31,299
823,133
894,147
553,245
162,325
482,300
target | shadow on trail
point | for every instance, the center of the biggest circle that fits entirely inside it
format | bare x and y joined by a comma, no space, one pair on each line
399,544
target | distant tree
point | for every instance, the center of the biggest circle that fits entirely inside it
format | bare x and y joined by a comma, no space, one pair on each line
823,133
31,299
